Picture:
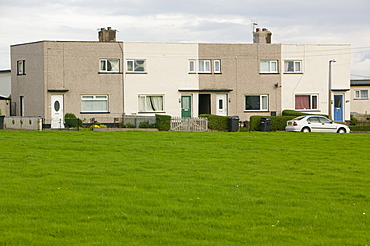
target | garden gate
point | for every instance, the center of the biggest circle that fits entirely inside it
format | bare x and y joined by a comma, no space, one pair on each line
189,124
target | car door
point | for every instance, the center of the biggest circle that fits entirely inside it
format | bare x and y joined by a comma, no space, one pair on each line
327,125
314,124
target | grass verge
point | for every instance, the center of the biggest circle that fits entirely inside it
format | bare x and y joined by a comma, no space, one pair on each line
173,188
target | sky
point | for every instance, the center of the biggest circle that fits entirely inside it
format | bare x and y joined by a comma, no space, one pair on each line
205,21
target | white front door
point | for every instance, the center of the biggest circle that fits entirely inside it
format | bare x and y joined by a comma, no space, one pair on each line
221,104
57,115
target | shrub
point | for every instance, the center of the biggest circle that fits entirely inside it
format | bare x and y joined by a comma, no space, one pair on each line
163,122
216,122
353,120
146,124
277,122
129,125
70,120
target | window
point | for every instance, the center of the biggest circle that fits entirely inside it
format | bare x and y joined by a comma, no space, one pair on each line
135,66
109,65
268,66
150,103
306,102
21,67
94,103
256,102
217,66
361,94
191,66
204,66
292,66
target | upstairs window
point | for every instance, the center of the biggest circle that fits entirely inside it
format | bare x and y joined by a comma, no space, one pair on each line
109,65
292,66
191,66
21,67
217,66
361,94
150,103
269,66
256,103
204,66
135,66
306,102
94,103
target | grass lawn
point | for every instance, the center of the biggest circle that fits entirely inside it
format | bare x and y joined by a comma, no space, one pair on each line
173,188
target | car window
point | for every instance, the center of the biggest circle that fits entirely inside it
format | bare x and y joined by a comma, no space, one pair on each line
324,120
313,120
299,118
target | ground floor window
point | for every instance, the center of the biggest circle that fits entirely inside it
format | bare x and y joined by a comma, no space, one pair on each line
151,103
361,94
306,102
256,102
94,103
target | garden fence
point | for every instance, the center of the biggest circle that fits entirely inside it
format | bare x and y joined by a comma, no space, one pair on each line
23,123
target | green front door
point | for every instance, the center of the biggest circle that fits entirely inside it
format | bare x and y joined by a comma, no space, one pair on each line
185,106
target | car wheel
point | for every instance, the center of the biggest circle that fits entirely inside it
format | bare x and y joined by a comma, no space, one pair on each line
341,130
306,129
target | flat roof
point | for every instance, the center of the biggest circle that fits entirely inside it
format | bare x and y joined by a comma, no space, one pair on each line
360,82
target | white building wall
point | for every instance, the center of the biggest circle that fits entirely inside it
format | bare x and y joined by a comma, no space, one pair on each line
314,78
167,71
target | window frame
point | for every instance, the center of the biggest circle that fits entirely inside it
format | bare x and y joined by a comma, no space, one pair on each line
261,103
133,65
360,96
311,102
205,70
215,66
94,98
295,62
143,109
21,67
270,71
107,66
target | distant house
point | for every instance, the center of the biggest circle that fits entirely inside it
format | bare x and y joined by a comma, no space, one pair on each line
5,91
5,82
108,79
360,102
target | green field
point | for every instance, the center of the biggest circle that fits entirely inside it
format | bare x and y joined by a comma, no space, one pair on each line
171,188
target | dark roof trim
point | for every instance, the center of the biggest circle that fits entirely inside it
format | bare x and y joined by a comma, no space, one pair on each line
58,41
5,71
4,98
205,90
56,90
340,89
360,82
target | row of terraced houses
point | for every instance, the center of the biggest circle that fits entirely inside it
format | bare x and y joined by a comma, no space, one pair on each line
109,78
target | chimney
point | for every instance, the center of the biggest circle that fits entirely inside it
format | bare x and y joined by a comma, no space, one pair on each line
107,35
262,36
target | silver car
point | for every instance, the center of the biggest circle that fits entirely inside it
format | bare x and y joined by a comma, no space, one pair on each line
315,123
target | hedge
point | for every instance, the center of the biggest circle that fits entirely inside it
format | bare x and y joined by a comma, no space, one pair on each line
163,122
216,122
289,112
277,122
360,128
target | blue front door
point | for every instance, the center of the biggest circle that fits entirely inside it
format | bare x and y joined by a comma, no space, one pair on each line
338,108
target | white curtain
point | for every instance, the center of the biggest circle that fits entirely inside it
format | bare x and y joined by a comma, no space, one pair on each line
150,103
113,65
